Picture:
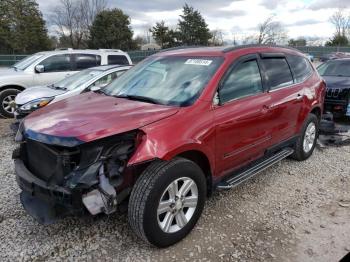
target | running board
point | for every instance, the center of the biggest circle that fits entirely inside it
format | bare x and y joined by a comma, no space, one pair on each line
254,170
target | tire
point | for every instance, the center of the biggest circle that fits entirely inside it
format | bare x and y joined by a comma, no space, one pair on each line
300,153
5,97
151,187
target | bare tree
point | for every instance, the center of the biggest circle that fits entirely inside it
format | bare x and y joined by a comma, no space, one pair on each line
73,19
341,22
217,38
271,32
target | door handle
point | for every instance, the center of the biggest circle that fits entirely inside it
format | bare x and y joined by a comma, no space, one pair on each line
265,109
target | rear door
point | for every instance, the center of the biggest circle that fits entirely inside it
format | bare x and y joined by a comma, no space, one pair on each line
242,118
286,96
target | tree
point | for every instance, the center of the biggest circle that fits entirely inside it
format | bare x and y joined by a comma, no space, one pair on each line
338,40
22,28
164,36
271,32
192,28
160,33
73,19
111,29
5,24
297,42
341,23
217,38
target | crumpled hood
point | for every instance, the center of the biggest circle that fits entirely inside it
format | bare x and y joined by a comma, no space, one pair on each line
90,116
34,93
337,82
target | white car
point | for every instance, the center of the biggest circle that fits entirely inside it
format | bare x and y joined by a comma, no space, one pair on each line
91,79
50,67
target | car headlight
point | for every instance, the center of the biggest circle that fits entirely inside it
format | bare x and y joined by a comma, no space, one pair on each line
36,104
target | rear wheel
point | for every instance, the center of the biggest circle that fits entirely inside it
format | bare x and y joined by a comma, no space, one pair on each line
7,102
306,143
167,200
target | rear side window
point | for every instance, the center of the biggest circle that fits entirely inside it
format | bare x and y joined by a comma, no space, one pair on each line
301,67
117,60
244,80
57,63
278,72
84,61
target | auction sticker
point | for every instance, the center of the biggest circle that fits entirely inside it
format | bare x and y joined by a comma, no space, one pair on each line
201,62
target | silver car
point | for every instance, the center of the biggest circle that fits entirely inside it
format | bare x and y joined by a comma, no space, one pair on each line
50,67
91,79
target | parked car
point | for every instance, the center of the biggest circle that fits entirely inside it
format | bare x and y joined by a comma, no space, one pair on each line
336,73
91,79
333,56
167,133
50,67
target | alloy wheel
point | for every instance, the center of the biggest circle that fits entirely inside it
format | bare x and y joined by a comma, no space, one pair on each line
177,205
310,137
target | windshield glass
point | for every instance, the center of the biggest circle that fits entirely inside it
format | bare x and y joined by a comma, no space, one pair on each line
166,80
77,79
335,68
24,63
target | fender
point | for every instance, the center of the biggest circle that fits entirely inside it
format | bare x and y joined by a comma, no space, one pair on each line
150,149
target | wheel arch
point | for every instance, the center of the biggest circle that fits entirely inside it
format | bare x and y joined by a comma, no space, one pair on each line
317,111
5,87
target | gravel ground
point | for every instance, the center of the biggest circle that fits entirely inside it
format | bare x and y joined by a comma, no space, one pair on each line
291,212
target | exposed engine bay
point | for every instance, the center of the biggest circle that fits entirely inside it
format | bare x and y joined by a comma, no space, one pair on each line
60,180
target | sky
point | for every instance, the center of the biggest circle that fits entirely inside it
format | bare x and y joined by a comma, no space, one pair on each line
237,19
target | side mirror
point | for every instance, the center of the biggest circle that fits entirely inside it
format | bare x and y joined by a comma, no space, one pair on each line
94,88
40,69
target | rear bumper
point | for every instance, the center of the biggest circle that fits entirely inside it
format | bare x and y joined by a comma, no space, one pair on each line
44,202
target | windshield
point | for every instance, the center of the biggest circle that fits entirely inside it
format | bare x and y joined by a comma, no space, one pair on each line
76,80
24,63
166,80
335,68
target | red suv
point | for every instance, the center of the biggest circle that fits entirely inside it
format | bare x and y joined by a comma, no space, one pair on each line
167,133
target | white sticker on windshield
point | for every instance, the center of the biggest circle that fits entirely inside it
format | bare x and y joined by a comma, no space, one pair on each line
201,62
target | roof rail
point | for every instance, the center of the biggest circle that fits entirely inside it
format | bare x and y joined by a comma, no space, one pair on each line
110,50
180,47
233,48
64,49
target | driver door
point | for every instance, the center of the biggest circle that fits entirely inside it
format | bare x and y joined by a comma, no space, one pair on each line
242,118
56,68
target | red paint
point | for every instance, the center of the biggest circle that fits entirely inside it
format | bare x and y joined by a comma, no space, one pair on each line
229,135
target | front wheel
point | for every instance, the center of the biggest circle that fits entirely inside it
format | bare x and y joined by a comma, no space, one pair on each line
166,201
305,144
7,102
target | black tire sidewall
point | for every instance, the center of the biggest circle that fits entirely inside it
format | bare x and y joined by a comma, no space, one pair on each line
153,232
3,94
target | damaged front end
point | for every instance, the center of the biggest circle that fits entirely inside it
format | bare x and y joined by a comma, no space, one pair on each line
57,181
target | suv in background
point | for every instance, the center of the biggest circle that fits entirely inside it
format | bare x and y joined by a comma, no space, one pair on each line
50,67
167,133
336,73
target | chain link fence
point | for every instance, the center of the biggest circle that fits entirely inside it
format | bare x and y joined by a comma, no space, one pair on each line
137,56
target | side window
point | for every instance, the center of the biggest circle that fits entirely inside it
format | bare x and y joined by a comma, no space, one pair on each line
301,67
102,82
57,63
117,60
277,72
243,80
84,61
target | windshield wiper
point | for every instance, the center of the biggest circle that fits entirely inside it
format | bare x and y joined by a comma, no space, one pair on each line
139,98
